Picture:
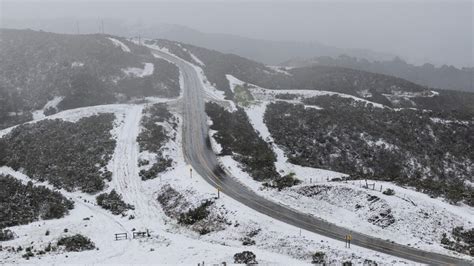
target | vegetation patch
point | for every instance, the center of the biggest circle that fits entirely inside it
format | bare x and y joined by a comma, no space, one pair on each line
242,95
318,257
195,214
67,155
6,235
405,146
76,243
389,192
203,218
462,240
113,202
23,204
154,136
164,82
245,257
238,138
285,181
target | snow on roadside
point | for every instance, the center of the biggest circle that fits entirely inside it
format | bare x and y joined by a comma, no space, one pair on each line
119,44
139,72
38,114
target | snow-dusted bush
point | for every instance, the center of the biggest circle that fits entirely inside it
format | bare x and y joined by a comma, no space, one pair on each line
280,183
245,257
6,235
238,138
23,204
195,214
68,155
406,146
76,243
318,257
203,218
113,202
463,240
389,192
153,137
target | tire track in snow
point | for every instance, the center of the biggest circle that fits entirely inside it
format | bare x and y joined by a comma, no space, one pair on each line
124,166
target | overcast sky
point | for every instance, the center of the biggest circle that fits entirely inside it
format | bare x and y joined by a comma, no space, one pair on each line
439,32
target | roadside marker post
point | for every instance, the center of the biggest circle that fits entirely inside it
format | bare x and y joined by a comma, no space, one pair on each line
190,172
348,239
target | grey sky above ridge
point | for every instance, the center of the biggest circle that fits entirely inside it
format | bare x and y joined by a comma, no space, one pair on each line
439,32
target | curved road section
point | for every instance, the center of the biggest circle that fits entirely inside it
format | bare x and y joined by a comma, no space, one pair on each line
199,154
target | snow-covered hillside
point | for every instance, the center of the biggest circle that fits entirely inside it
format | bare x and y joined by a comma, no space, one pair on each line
408,217
170,242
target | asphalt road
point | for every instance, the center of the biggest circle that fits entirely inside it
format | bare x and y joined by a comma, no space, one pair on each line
199,154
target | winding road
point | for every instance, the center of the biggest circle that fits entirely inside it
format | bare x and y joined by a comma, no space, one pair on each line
199,154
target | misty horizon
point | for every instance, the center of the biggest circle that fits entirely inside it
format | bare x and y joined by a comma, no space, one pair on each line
443,36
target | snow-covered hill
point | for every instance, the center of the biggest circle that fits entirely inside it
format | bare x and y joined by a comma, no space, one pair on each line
170,242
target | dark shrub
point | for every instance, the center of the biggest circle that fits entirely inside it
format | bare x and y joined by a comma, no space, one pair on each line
113,202
23,204
76,243
68,155
318,258
245,257
238,138
197,214
6,235
160,166
389,192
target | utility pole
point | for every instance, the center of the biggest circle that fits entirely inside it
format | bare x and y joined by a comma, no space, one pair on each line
102,22
77,27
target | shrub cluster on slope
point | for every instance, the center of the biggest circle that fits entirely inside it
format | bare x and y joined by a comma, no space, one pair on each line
164,81
76,243
154,136
113,202
203,218
84,69
68,155
23,204
238,138
407,145
463,240
45,65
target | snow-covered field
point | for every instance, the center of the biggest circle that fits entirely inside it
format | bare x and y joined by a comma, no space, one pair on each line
408,217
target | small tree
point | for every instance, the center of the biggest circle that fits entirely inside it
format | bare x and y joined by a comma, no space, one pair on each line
319,257
76,243
245,257
389,192
6,235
